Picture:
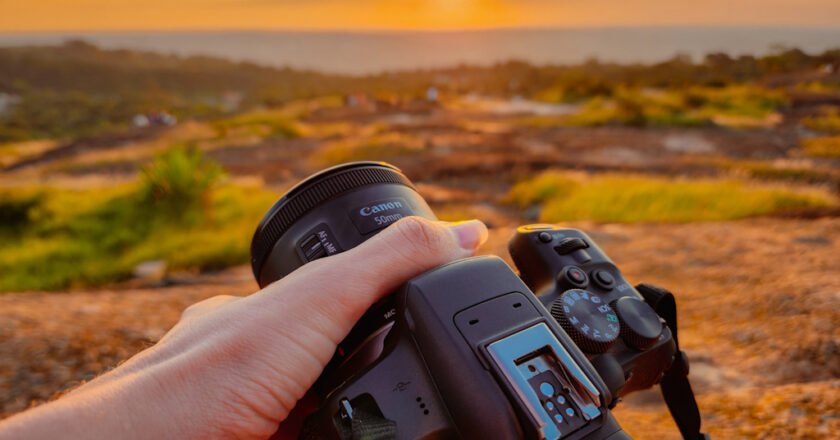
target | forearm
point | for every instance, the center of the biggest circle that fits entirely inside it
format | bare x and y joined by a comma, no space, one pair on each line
111,407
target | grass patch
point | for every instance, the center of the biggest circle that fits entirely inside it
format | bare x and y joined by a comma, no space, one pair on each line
94,237
264,124
543,187
58,239
697,106
631,198
828,122
378,147
770,171
819,87
822,146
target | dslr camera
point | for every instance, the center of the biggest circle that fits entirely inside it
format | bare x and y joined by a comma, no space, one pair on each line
472,349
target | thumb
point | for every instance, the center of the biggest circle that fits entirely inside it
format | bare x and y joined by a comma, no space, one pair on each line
408,248
342,287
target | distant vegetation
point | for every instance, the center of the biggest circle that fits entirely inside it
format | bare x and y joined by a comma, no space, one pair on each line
179,212
635,198
179,184
682,107
822,146
264,124
77,89
828,122
377,147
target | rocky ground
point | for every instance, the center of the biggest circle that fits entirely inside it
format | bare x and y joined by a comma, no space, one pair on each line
758,304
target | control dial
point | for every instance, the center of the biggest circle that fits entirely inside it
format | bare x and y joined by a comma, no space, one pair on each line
590,322
640,325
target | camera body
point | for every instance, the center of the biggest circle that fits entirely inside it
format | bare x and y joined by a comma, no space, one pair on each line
473,353
471,349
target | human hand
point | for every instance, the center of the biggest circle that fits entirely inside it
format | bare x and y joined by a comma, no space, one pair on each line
235,367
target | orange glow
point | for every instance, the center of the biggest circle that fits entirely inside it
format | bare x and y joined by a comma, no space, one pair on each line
28,15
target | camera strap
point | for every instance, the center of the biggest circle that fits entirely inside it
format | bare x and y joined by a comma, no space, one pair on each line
676,389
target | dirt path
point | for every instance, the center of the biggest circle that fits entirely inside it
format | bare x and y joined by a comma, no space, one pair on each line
759,312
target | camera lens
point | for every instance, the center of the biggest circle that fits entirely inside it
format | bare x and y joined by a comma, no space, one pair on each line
329,212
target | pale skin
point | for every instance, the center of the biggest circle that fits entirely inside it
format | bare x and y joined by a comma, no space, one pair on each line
235,367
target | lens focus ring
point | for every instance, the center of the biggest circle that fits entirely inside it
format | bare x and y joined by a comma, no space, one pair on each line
311,193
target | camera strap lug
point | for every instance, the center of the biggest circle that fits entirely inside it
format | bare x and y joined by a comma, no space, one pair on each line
676,389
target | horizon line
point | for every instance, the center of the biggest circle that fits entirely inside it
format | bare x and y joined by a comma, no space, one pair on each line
389,30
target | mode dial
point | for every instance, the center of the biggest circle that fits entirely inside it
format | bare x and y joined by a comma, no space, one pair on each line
590,322
640,325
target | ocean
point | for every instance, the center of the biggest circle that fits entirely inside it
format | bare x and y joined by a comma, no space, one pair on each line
375,52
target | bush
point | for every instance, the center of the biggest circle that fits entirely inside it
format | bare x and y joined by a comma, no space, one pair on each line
178,182
16,208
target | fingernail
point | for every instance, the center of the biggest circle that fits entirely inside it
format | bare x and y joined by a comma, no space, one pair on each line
470,233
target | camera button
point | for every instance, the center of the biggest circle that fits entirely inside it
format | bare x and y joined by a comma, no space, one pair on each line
575,277
547,389
545,237
603,279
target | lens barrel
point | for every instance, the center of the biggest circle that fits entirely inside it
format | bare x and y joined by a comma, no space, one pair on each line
329,212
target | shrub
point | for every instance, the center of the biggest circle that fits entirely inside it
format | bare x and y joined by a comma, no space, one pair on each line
16,208
178,182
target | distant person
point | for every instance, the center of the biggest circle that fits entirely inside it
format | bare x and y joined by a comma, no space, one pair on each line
236,367
432,95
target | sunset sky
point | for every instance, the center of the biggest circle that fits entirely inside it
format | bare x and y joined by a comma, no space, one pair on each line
57,15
